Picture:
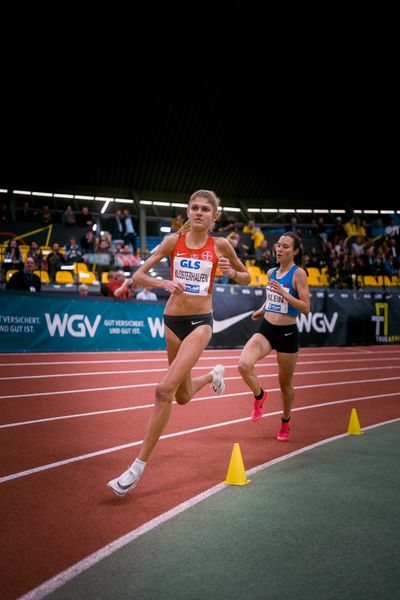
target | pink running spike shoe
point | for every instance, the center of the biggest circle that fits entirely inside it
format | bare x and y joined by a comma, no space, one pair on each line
284,432
257,408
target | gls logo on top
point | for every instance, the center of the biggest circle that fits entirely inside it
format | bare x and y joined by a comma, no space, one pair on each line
75,325
186,263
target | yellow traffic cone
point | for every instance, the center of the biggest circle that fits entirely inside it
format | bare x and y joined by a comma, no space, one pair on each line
236,474
354,425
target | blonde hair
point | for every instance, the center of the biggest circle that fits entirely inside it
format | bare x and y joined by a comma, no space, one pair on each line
210,196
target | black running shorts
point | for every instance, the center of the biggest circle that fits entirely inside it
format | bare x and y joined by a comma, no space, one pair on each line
283,338
183,325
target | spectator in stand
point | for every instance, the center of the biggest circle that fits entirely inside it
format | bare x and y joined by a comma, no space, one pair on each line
83,290
36,253
388,266
129,230
12,257
315,258
146,295
340,273
25,280
263,257
88,242
256,234
337,233
43,216
25,214
73,252
104,242
341,247
294,226
116,226
68,217
346,272
84,218
103,253
357,247
350,228
227,222
361,230
177,222
322,230
126,259
394,251
312,228
240,250
121,288
54,260
392,229
377,229
368,259
104,286
333,273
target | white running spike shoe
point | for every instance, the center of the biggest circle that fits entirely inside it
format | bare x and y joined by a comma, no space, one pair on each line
125,482
218,384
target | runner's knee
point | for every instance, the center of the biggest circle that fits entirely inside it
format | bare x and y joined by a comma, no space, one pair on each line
244,366
182,398
163,393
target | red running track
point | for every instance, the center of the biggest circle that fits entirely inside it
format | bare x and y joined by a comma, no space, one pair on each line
70,422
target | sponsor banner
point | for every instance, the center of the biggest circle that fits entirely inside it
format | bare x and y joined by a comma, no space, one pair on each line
337,317
42,323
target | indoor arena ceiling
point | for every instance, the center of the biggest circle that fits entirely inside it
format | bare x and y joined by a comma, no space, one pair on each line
173,129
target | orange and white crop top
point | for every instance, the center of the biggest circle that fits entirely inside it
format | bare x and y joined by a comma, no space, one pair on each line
195,267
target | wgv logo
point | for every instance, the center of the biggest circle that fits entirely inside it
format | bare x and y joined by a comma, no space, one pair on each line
75,325
190,264
316,321
156,327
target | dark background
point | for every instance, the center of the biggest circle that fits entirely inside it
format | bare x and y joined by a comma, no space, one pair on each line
315,135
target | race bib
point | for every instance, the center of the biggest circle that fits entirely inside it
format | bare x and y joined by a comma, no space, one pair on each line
194,273
275,302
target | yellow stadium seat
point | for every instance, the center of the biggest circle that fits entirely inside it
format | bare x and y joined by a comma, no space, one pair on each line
64,277
314,277
43,275
255,273
24,251
263,279
370,280
104,277
10,273
80,267
387,281
253,270
88,278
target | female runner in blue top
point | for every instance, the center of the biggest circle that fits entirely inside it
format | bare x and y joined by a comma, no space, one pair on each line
287,295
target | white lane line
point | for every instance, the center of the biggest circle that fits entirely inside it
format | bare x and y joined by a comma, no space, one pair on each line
139,385
204,357
63,577
151,405
68,461
199,367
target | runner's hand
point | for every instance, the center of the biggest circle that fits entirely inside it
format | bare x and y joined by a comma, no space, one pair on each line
173,287
257,314
225,267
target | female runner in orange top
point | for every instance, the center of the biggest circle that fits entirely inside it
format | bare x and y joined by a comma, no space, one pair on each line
188,321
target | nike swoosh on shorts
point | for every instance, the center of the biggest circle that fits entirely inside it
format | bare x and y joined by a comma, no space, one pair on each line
196,322
289,333
225,323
